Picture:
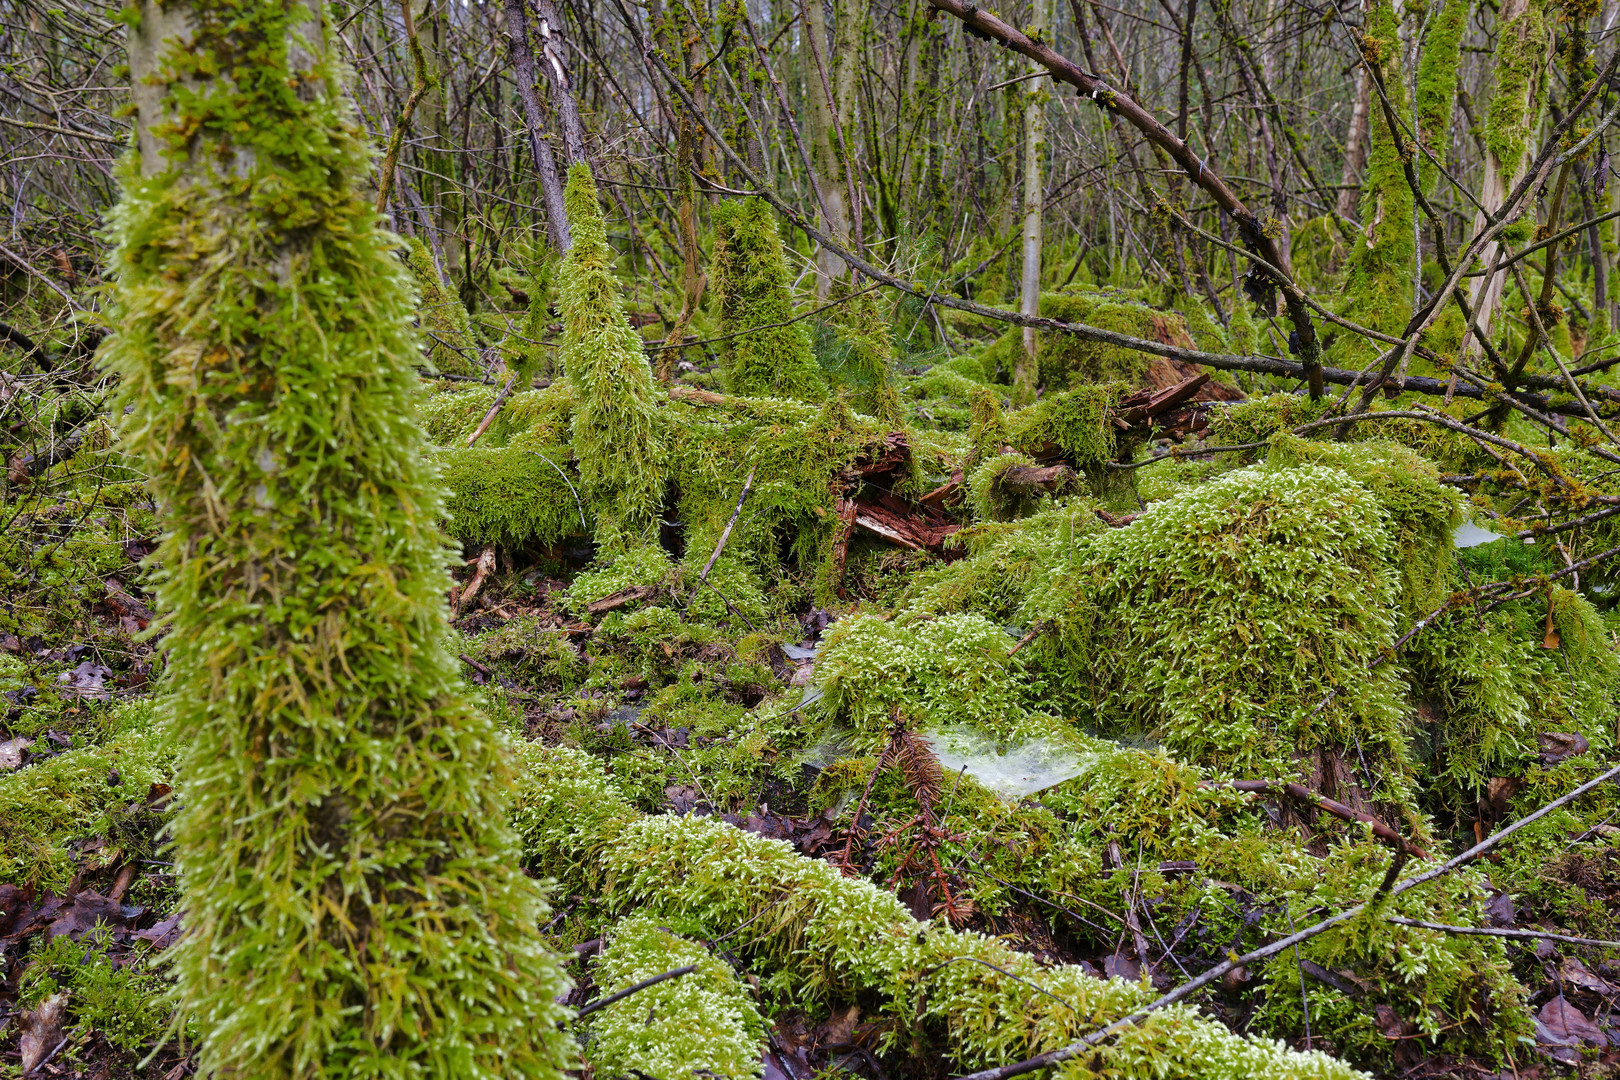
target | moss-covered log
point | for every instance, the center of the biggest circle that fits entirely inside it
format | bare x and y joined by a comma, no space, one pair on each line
816,933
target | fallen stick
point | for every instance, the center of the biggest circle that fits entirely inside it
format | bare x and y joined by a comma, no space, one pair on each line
725,535
1302,794
602,1003
1494,931
494,408
1192,986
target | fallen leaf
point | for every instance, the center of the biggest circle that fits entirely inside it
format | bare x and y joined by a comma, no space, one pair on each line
12,752
1561,1024
86,681
1559,746
839,1028
1574,973
1390,1025
164,933
87,911
41,1029
1116,966
1499,911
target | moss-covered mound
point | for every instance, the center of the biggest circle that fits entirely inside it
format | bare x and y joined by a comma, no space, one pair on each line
1066,361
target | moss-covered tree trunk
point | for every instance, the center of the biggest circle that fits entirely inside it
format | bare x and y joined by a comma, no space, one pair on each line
353,902
1523,51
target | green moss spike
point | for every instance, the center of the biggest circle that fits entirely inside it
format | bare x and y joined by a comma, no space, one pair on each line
618,438
750,278
448,331
353,903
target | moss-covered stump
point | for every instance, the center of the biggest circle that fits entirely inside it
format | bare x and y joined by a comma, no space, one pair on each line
353,904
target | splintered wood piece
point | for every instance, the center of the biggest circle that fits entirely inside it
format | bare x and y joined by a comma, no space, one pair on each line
614,601
485,563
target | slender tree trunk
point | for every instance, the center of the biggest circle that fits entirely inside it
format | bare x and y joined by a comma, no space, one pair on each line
1355,146
551,182
825,131
1515,114
1025,368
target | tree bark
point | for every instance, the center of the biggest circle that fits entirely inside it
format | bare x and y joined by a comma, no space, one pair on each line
554,61
1025,368
1500,177
545,163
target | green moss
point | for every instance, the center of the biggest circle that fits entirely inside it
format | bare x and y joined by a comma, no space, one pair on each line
342,839
1259,418
511,495
1221,618
1437,84
750,280
813,934
54,804
1064,360
863,362
1422,512
1516,102
541,656
1380,268
704,1023
954,669
446,330
647,565
618,438
125,1003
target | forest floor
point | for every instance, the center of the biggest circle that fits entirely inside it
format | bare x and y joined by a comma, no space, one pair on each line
708,698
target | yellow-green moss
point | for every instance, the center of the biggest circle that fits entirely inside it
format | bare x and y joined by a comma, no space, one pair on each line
618,438
750,279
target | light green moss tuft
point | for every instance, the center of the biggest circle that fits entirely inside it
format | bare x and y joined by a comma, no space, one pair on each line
702,1024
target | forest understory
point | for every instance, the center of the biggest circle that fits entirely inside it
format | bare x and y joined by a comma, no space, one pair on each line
707,598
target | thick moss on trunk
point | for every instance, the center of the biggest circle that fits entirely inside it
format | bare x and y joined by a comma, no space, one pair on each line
1380,274
618,438
352,900
764,357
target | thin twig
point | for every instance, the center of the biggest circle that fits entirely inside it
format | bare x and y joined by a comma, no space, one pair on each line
602,1003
